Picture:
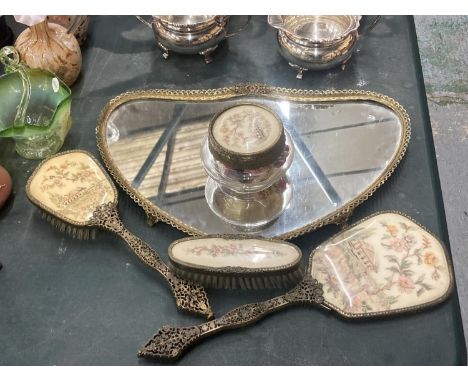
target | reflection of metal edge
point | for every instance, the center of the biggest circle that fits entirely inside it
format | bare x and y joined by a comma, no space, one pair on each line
236,271
393,311
54,212
269,92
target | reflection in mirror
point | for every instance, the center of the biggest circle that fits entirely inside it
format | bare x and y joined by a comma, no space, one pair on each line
342,148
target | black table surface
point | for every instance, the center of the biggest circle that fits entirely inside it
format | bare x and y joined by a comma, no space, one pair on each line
70,302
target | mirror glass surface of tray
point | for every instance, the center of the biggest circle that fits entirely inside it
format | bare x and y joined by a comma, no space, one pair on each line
344,148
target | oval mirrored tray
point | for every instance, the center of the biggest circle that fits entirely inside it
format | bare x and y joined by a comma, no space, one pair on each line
347,144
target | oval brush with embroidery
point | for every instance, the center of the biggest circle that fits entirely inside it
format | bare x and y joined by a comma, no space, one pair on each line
237,261
77,195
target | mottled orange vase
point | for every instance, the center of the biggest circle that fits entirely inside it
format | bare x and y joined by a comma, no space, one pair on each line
49,46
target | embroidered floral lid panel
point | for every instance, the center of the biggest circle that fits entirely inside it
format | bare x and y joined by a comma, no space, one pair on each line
247,129
385,263
71,185
214,252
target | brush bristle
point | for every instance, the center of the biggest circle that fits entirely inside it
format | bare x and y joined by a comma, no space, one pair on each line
278,281
80,233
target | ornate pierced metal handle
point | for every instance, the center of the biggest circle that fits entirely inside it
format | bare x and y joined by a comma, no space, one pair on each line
170,343
189,296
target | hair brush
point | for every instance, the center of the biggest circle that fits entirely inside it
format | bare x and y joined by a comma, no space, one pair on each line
236,261
76,195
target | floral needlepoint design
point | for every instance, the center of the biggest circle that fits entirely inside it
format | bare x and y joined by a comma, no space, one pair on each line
430,258
392,230
245,127
230,249
385,263
72,185
405,284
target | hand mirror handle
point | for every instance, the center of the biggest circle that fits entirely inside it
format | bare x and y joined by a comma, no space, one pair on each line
171,342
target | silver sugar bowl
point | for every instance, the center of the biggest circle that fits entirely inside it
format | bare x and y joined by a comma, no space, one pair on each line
191,34
318,42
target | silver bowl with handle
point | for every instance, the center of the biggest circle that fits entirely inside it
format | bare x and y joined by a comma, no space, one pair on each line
318,42
191,34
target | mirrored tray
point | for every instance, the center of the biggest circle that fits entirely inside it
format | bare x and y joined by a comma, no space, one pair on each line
347,144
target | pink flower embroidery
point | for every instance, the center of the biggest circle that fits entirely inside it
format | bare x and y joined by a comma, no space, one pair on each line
405,284
356,302
399,245
410,240
392,229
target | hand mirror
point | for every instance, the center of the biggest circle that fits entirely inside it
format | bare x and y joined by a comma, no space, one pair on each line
77,195
383,265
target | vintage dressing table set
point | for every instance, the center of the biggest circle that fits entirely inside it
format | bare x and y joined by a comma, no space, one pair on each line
240,169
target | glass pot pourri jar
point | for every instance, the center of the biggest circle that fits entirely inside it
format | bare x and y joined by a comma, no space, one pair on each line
246,155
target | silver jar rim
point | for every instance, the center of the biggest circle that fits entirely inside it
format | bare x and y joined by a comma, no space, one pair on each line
295,27
190,23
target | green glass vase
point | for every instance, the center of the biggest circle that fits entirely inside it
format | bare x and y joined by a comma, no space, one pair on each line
36,107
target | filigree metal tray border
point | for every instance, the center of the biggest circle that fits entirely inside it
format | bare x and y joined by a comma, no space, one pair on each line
156,214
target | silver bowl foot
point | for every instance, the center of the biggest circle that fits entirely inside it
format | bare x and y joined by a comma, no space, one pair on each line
208,54
300,70
344,63
165,51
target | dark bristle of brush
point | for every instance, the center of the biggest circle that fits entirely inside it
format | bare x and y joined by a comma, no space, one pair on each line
242,283
207,280
84,233
274,281
260,283
253,282
246,282
296,276
202,279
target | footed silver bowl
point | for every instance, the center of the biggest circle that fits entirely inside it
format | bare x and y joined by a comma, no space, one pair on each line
317,42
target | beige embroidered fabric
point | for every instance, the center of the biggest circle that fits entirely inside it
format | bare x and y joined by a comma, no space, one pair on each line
72,185
247,129
217,252
386,263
